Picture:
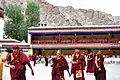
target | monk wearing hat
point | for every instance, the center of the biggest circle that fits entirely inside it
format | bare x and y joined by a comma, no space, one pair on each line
78,65
17,61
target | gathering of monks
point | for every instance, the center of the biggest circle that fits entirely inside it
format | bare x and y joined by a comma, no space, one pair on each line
16,61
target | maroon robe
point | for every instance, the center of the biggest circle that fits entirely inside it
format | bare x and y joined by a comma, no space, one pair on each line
100,74
1,13
59,65
78,68
90,63
34,58
19,61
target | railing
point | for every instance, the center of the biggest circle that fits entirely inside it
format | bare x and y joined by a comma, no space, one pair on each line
86,45
74,41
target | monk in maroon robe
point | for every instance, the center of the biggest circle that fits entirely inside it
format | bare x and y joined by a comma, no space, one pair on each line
99,72
90,63
59,65
1,12
17,61
34,58
84,62
78,65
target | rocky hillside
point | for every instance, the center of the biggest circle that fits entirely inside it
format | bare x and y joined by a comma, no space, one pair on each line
68,16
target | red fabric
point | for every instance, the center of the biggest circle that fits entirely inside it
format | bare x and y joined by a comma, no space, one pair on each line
19,61
34,58
80,65
15,47
90,64
100,74
59,65
1,13
77,48
109,38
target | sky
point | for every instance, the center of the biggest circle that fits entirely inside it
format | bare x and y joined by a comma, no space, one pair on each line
108,6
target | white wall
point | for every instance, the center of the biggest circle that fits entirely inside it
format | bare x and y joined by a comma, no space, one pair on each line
29,38
1,28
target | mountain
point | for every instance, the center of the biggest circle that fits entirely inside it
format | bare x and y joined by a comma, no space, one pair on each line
68,16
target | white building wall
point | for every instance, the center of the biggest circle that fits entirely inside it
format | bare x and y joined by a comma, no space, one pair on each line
29,38
1,27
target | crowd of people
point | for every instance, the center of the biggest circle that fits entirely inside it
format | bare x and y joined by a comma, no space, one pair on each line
17,60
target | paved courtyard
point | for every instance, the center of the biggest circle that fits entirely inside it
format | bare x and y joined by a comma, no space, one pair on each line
44,73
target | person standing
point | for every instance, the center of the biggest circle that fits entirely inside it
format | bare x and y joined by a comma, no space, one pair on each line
99,72
46,60
84,62
78,65
34,58
90,63
59,65
17,61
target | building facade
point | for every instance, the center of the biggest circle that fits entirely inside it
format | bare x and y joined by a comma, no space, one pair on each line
51,38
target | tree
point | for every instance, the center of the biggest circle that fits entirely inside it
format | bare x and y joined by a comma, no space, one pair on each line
18,23
32,12
14,26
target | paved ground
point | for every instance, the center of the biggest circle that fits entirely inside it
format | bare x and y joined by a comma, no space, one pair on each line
44,73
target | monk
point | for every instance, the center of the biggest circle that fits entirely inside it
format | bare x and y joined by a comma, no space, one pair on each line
99,72
84,62
46,60
90,63
17,61
59,65
1,12
34,58
78,65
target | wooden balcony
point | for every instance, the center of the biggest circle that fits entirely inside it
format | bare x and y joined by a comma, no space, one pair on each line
74,41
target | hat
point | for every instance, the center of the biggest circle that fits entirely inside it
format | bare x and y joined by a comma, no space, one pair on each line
1,9
15,47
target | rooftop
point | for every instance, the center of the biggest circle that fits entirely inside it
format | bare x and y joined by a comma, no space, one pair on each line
9,40
84,26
